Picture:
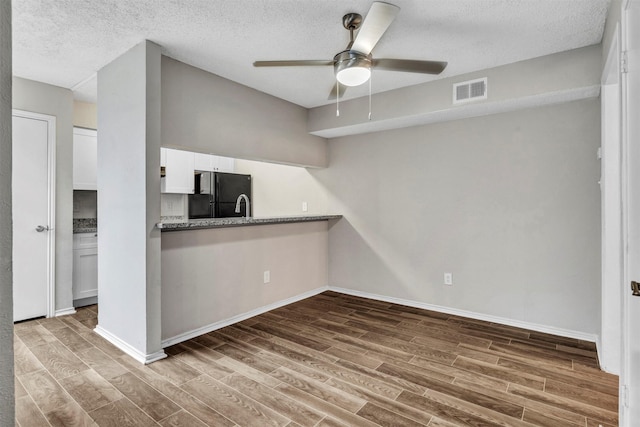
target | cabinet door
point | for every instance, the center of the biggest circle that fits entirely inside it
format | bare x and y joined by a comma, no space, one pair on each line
178,172
85,159
226,164
203,162
85,273
163,157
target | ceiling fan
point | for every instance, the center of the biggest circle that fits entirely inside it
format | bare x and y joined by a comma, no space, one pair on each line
353,65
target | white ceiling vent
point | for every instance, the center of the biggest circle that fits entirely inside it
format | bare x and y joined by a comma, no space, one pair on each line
470,90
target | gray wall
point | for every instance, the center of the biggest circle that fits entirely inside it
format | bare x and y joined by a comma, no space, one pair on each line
613,20
207,113
42,98
560,77
129,201
7,405
212,276
508,203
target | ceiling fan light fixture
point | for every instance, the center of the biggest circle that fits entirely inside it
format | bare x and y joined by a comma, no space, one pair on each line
353,76
352,68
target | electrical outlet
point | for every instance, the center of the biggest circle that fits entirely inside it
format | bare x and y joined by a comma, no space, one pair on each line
448,279
267,276
305,207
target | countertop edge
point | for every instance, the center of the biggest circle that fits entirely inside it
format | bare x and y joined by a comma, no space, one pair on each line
85,230
199,224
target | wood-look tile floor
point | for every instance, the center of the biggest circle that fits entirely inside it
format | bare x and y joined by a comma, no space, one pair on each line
329,360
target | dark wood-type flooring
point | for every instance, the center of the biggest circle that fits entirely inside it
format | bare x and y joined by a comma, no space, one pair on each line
329,360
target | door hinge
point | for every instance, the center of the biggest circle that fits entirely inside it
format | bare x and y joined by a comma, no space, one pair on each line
624,394
624,62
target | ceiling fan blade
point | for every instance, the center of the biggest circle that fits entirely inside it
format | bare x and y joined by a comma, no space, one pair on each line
292,63
334,91
380,16
409,65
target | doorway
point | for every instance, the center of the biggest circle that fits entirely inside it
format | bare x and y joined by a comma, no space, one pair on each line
33,204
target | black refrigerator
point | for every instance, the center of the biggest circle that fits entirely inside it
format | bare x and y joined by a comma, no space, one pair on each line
216,194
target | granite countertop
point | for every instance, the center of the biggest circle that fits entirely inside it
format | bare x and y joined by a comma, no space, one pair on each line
85,225
195,224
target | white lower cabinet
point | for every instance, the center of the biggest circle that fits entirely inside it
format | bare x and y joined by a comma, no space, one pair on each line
85,265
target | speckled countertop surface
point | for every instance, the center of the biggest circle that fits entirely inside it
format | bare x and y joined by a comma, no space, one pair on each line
195,224
85,225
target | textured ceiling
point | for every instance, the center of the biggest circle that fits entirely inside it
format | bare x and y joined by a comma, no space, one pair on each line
65,42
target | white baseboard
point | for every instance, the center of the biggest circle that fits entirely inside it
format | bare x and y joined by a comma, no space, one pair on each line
65,312
133,352
568,333
240,317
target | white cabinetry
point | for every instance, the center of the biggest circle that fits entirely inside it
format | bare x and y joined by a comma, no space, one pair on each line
179,169
85,265
225,164
211,163
85,159
203,162
163,157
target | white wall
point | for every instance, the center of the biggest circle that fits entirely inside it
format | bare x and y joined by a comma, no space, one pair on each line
7,403
129,201
279,190
42,98
213,275
210,114
508,203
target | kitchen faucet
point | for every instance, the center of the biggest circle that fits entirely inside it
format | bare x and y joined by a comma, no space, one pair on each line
246,200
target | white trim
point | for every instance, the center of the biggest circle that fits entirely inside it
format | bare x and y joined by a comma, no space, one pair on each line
627,408
473,315
131,351
239,318
612,200
65,311
51,202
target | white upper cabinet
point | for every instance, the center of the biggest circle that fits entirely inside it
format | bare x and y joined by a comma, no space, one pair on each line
85,159
163,157
225,164
179,168
180,165
211,163
203,162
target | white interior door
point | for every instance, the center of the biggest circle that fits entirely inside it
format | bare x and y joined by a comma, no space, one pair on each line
32,199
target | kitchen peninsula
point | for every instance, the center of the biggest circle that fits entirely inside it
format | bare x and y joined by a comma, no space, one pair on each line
242,221
218,271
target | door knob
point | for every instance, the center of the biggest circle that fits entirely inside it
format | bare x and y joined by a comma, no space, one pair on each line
42,228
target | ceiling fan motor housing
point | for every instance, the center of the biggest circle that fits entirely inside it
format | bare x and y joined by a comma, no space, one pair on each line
352,68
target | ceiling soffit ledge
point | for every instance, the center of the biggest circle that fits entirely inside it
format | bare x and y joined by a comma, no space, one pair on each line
552,79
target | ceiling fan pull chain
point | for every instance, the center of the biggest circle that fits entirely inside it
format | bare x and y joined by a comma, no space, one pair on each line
337,99
370,78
